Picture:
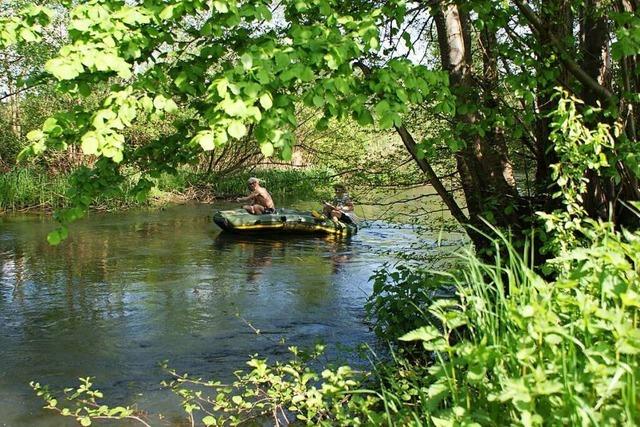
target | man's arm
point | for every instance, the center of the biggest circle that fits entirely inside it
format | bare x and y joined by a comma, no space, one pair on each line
248,198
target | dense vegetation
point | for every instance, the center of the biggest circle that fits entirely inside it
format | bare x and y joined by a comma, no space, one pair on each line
529,109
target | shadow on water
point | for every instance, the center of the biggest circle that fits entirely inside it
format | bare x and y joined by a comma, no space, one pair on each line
259,250
129,290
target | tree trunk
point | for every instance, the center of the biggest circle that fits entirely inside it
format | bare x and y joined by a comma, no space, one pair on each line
483,164
557,18
596,63
630,80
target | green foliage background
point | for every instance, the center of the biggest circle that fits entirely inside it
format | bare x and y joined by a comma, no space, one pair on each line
530,108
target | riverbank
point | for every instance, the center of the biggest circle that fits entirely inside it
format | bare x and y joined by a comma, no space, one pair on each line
30,189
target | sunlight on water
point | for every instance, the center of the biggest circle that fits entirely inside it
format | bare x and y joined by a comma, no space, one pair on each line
129,290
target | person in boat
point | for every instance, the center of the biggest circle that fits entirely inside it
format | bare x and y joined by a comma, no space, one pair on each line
341,207
260,199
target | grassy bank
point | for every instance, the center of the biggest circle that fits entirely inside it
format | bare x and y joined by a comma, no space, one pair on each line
306,184
28,188
32,189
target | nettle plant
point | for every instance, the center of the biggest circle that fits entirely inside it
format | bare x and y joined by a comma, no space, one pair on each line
535,351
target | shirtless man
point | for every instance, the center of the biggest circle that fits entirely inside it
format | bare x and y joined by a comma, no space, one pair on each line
260,199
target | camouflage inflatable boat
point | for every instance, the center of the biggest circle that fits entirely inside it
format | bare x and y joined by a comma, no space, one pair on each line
282,221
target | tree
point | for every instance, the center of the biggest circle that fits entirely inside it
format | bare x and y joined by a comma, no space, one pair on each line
242,71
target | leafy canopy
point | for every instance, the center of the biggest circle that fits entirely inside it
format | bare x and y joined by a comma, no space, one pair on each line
240,66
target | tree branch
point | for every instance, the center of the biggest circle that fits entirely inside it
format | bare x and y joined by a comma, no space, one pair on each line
24,89
411,146
573,67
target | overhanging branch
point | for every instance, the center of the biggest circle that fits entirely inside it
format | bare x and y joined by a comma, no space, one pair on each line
411,146
601,92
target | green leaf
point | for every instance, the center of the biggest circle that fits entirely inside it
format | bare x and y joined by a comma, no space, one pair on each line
373,43
287,152
365,118
170,106
307,74
35,135
237,129
322,124
220,6
247,61
442,422
62,69
388,120
167,12
267,149
159,102
266,101
205,140
425,333
90,143
221,87
208,420
54,237
234,108
282,60
221,138
332,63
27,35
252,89
382,107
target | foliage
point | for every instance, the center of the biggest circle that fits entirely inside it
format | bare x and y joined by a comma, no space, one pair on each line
84,404
305,184
281,391
28,188
563,348
519,348
580,148
536,350
244,70
253,88
32,188
400,299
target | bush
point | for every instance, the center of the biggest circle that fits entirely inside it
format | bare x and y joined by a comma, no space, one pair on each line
564,351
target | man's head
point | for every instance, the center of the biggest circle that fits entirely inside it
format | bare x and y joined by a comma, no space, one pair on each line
253,183
339,188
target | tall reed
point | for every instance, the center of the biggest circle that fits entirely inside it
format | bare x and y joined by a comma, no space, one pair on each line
518,349
29,188
281,183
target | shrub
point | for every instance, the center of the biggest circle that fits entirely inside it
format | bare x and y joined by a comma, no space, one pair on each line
564,351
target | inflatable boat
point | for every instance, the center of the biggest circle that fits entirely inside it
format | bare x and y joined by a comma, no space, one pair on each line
282,221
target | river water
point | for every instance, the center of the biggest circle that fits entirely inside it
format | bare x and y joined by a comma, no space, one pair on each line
129,290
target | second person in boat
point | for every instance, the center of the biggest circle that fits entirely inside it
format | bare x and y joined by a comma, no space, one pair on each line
260,200
341,208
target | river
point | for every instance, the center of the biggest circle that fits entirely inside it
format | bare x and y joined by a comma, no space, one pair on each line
129,290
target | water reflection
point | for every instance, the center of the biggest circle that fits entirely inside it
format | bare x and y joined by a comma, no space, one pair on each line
129,290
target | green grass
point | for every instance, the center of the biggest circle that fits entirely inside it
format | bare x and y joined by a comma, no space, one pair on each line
30,188
515,348
282,184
